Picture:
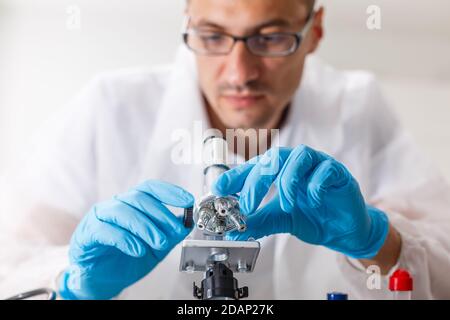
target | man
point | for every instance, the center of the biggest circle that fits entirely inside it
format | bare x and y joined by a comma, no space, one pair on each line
350,192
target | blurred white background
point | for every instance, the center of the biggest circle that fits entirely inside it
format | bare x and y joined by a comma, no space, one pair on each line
44,62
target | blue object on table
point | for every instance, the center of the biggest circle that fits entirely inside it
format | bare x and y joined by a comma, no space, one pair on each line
337,296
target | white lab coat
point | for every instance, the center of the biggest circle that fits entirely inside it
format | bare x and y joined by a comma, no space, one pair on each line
118,133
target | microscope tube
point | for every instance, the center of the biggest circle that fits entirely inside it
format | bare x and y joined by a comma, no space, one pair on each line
215,158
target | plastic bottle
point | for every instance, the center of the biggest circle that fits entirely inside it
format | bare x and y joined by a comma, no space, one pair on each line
401,285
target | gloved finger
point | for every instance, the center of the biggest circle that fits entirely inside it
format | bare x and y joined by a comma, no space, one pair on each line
97,234
261,177
167,193
164,219
232,181
133,221
268,220
330,174
297,168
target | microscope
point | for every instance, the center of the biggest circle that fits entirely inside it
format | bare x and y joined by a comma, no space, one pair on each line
213,218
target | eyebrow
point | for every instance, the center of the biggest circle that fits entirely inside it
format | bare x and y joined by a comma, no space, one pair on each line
279,22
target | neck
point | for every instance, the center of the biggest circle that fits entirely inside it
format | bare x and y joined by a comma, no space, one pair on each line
243,134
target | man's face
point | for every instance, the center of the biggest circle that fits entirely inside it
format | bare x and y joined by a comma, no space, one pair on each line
241,89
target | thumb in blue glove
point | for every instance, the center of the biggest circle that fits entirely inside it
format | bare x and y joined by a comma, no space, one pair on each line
317,200
120,241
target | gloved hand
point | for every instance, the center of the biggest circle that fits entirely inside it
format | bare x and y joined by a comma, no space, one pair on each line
120,241
317,200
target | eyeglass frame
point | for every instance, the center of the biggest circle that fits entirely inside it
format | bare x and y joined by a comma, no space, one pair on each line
299,36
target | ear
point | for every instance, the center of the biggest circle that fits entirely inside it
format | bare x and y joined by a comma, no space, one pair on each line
317,30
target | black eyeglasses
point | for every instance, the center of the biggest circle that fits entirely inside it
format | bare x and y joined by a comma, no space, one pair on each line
213,43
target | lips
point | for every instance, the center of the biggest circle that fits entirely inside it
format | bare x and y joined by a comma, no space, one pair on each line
243,101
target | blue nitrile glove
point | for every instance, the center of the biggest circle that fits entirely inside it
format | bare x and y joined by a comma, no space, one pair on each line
120,241
317,200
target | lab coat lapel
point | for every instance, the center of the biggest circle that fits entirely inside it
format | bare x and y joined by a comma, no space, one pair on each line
180,107
314,117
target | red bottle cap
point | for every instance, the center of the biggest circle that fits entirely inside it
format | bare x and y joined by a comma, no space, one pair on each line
401,280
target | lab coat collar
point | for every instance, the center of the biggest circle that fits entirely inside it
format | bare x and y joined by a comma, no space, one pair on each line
182,102
314,116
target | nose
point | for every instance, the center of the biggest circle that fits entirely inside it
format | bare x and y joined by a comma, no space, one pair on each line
242,67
